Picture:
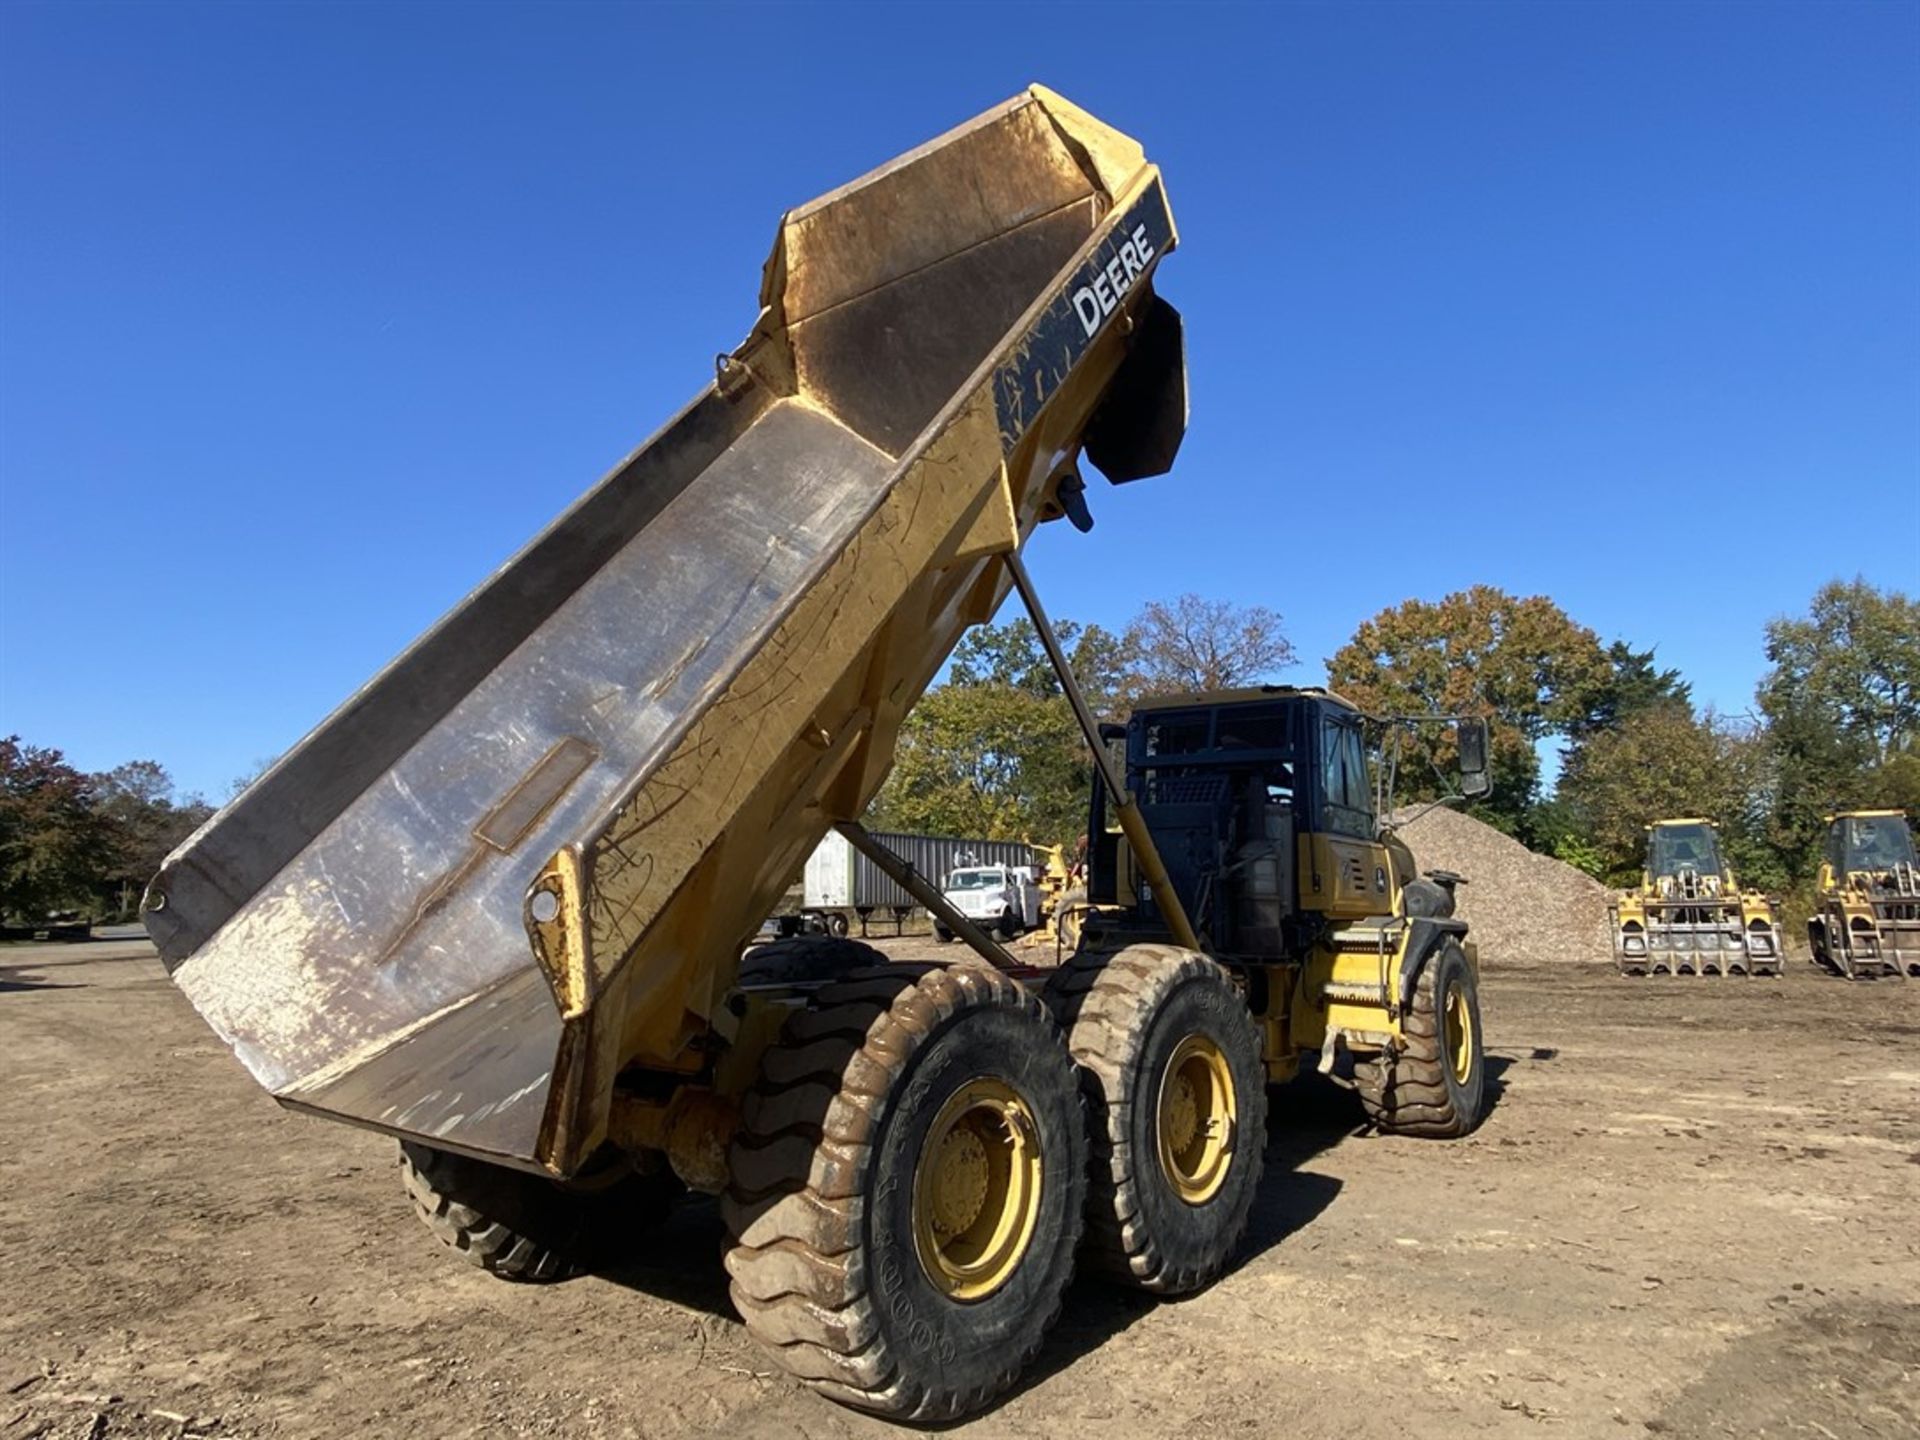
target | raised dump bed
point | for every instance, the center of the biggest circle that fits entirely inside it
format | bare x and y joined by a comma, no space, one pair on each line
522,860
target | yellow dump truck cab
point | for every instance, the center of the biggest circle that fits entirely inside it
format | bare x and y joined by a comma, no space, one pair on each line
1261,806
1866,920
1689,915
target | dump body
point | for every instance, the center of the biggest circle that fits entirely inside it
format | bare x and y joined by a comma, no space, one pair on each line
522,860
1689,915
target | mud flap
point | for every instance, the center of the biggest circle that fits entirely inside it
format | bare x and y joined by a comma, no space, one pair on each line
1424,938
1138,428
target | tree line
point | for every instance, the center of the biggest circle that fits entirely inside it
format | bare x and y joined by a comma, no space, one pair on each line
994,750
1835,724
71,841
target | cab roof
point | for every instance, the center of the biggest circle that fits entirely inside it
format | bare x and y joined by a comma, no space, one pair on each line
1839,815
1684,820
1245,696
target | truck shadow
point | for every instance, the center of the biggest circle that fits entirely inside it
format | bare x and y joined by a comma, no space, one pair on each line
658,1265
1302,1123
19,978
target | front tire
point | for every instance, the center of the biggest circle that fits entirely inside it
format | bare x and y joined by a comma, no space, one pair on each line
907,1190
1436,1087
1176,1093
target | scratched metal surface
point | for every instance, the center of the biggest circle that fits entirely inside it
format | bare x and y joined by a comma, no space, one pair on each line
399,921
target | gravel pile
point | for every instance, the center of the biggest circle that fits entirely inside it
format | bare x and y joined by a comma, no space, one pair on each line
1519,905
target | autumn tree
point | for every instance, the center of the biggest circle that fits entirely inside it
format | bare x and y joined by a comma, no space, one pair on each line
52,837
1519,663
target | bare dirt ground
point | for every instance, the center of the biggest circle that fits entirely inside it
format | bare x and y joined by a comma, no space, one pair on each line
1693,1210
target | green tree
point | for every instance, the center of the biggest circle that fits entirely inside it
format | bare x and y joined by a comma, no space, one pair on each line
1633,683
144,821
990,760
1012,655
54,845
1664,762
1842,702
996,752
1520,663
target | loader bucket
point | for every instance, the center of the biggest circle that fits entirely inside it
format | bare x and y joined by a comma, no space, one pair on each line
517,867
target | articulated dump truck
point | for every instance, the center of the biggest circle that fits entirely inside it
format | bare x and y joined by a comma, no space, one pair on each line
499,904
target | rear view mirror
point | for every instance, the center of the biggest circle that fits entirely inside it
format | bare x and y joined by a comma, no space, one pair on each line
1471,738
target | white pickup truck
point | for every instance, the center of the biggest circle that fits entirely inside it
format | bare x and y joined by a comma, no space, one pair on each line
995,897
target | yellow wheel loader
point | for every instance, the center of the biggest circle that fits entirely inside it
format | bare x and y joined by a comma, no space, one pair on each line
497,905
1867,917
1689,916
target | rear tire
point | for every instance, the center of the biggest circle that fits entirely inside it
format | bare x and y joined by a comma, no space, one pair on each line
1436,1087
520,1226
806,959
1176,1095
891,1246
942,934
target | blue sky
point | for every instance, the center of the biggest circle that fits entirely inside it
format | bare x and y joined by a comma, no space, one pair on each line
310,316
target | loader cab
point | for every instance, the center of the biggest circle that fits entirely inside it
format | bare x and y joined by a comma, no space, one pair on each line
1868,843
1261,805
1683,847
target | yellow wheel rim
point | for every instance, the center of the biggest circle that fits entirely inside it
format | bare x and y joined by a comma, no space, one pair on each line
1198,1117
1459,1018
976,1190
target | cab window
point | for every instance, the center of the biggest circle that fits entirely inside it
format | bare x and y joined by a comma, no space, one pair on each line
1348,794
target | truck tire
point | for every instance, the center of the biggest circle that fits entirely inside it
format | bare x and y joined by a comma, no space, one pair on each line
805,960
1436,1087
520,1226
1009,926
1067,916
907,1189
942,934
1176,1095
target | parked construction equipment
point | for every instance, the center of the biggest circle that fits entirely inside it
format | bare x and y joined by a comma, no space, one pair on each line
497,904
840,887
1689,916
1867,917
